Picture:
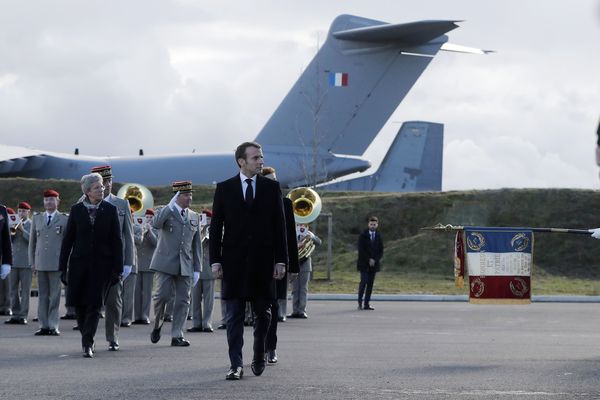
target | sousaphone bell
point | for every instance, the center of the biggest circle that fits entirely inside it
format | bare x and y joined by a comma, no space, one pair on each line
138,196
306,204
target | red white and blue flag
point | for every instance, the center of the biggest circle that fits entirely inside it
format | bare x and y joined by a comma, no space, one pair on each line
499,264
338,79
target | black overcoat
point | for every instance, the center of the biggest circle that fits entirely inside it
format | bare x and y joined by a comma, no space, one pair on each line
92,255
369,249
247,242
5,243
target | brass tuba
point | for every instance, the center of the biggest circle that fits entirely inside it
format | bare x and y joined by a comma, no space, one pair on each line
306,204
138,196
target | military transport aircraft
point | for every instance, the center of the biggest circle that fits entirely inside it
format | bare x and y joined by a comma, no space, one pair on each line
319,131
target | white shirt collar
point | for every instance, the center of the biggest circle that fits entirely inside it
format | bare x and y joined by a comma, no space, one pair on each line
51,215
244,177
178,208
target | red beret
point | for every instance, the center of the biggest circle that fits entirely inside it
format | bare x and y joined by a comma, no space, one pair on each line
10,210
207,212
149,212
24,205
51,193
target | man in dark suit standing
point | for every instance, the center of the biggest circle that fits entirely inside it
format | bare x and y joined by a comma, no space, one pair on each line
247,251
370,251
5,245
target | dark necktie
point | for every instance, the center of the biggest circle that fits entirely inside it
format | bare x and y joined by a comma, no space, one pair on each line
49,219
249,193
372,236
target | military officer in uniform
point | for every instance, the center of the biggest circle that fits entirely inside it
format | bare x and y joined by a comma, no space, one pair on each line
143,284
5,251
129,282
20,277
114,299
203,294
177,260
45,238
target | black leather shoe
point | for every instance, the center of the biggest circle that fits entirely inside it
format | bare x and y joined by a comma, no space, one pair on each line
195,329
42,332
155,335
272,357
207,330
53,332
360,307
76,328
141,322
87,352
168,319
68,316
189,318
281,319
258,364
21,321
113,346
234,374
12,321
222,326
179,342
125,324
35,319
298,315
368,307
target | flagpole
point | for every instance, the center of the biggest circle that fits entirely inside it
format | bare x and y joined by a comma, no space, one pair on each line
452,228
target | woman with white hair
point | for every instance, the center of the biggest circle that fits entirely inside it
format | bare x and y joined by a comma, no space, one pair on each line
91,257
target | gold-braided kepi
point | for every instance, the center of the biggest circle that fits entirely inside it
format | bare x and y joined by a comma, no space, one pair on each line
105,171
182,187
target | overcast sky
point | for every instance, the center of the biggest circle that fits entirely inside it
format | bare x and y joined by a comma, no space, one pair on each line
110,77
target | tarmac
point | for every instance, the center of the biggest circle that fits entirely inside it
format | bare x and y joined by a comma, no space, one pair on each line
401,350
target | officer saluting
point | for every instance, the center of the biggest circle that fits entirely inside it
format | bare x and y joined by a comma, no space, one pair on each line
45,238
177,260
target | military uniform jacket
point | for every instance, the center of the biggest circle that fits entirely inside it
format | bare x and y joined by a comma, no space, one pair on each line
206,273
145,245
126,229
20,245
5,244
45,241
179,249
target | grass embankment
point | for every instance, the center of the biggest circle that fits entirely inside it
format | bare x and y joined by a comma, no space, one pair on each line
418,261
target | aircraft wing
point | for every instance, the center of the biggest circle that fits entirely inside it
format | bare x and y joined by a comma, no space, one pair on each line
418,32
15,159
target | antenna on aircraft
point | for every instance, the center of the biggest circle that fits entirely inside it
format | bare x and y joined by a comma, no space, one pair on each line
76,151
141,152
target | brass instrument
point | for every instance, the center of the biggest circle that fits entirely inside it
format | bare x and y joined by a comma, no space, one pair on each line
14,228
138,196
306,204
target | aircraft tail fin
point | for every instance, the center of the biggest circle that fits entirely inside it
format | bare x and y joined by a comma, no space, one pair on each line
353,85
413,163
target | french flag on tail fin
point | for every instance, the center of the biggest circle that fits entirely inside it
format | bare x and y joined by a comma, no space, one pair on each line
338,79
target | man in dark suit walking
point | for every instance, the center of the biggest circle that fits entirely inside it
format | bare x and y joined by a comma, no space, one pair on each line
247,251
370,251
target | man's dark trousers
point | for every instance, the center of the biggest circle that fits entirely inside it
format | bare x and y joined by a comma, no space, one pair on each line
235,310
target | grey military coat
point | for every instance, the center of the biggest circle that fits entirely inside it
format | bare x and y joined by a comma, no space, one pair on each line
179,248
45,241
20,246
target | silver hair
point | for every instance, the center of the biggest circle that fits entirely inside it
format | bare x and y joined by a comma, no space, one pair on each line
88,180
